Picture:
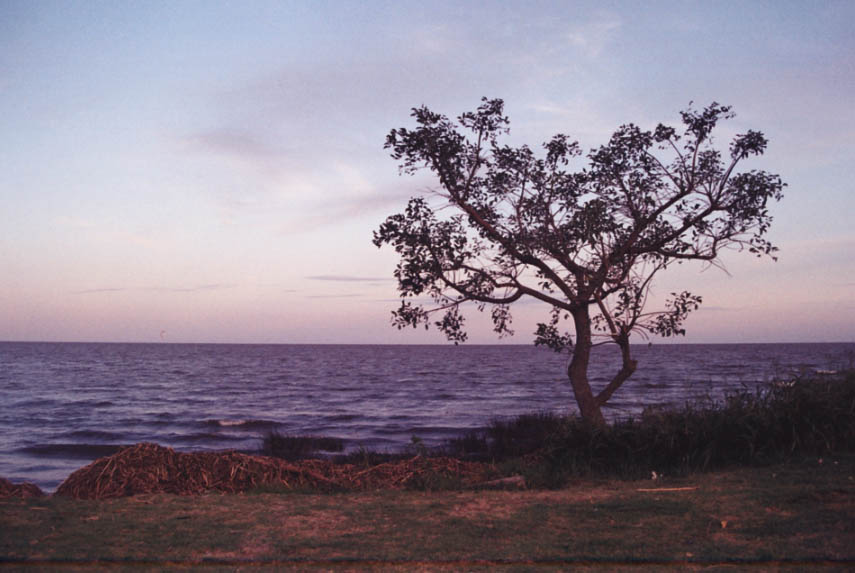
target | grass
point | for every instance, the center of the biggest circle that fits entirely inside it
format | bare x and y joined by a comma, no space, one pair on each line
800,513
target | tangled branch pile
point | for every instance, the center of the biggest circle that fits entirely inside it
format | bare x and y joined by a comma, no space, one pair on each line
150,468
9,489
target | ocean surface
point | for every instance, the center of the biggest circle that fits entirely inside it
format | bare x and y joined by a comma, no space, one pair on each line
63,405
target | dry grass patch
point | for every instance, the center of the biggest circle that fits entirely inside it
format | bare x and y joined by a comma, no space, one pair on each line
149,469
22,490
321,523
504,504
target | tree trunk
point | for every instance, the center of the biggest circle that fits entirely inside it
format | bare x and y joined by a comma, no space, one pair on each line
628,366
589,407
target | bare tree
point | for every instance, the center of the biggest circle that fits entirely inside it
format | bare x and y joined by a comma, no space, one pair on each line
586,242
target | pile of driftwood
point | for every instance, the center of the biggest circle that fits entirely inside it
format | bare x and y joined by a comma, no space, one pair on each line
9,489
150,468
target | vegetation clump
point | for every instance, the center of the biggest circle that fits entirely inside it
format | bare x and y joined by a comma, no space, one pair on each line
812,416
149,468
298,447
23,490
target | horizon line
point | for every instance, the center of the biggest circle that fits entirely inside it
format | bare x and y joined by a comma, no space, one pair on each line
437,344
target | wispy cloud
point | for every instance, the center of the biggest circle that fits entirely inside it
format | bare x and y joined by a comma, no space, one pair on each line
592,37
161,289
350,295
433,39
348,278
581,117
99,290
232,142
336,209
717,309
199,288
240,160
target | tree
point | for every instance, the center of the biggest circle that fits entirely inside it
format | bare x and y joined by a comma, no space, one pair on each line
586,242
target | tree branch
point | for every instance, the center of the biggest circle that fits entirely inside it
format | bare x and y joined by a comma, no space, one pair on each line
628,366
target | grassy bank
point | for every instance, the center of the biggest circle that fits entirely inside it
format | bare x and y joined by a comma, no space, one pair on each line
801,513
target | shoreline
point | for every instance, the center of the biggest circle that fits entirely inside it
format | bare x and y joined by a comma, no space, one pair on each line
47,457
429,345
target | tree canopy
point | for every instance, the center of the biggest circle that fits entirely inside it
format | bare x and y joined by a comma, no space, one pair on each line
584,235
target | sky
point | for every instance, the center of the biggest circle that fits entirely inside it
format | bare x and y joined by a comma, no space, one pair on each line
213,171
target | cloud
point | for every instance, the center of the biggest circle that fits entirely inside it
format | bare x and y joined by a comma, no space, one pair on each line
580,117
351,295
593,37
190,289
234,142
346,278
432,39
240,162
335,209
199,288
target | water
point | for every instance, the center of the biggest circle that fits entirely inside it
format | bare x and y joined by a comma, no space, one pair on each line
64,405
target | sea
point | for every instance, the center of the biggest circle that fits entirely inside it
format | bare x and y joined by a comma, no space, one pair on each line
63,405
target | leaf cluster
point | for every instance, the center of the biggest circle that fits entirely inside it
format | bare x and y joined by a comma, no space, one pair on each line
571,231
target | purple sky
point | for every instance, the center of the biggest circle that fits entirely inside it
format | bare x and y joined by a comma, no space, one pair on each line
213,172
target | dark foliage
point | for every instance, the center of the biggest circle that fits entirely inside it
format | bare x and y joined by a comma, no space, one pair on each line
298,447
367,458
812,416
583,234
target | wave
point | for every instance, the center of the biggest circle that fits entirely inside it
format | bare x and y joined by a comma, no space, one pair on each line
75,451
346,417
203,437
243,424
100,435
